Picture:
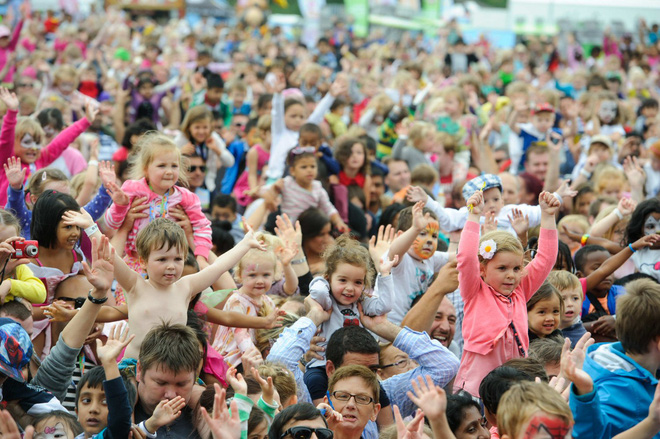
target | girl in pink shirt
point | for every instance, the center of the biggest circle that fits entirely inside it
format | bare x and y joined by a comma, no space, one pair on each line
495,323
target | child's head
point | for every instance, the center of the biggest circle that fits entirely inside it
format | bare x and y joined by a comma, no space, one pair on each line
570,290
47,178
585,196
543,117
587,260
573,223
648,108
257,424
310,135
491,186
256,270
544,310
28,140
637,325
501,261
351,153
495,384
51,121
56,424
223,208
283,380
237,93
9,225
214,88
159,161
65,79
645,221
162,247
533,410
547,352
294,114
47,226
426,242
455,101
422,136
601,146
608,111
196,126
263,134
349,270
424,175
302,165
610,182
221,237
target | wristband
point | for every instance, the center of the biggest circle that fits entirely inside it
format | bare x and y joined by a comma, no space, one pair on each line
618,213
585,173
93,163
94,300
584,239
298,261
631,248
89,231
143,428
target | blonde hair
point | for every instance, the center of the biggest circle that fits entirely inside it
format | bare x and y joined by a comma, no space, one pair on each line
448,142
77,182
419,131
264,123
196,114
345,250
158,234
64,72
283,379
27,125
423,174
607,176
504,241
580,220
523,400
563,280
458,94
147,148
622,222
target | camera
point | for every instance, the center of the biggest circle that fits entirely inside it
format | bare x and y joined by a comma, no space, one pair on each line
25,249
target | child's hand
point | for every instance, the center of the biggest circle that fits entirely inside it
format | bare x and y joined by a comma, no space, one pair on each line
415,194
91,111
138,206
94,150
571,364
490,223
339,87
236,381
101,274
605,326
378,248
166,412
342,227
15,173
9,98
117,195
251,358
5,287
565,191
576,237
287,253
117,340
107,173
519,222
634,172
414,429
81,219
274,319
286,231
591,163
420,221
267,387
626,206
549,203
430,398
188,149
646,241
477,202
251,240
59,311
387,264
223,424
9,428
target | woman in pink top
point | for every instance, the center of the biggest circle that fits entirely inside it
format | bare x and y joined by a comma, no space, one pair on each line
495,322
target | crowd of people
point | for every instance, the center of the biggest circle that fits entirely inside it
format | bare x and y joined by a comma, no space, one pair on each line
215,231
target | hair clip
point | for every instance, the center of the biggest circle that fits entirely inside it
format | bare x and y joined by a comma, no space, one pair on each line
488,249
44,176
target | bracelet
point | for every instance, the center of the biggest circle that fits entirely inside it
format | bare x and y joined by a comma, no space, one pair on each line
583,241
93,163
94,300
631,248
585,173
302,361
618,213
89,231
299,261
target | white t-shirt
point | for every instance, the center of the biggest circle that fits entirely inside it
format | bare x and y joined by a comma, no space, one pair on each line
411,279
647,261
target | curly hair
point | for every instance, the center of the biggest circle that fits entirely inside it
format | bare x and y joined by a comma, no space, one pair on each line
346,250
635,229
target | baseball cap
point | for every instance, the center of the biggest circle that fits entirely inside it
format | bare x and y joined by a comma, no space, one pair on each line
482,182
15,349
601,138
4,31
540,108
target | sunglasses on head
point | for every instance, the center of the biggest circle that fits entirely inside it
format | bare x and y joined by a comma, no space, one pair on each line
194,168
306,433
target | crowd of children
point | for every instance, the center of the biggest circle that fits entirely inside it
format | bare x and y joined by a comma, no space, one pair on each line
490,216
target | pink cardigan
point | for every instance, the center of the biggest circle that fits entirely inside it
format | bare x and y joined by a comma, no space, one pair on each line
114,216
48,154
488,313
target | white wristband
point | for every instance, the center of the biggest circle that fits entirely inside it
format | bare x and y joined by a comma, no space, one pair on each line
618,213
585,173
89,231
143,428
93,163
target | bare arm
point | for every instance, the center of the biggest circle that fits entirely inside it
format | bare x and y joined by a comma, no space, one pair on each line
403,242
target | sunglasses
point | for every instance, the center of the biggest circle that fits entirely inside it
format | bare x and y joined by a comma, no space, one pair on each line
306,433
194,168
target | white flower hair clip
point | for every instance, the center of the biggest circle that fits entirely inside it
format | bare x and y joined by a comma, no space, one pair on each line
488,249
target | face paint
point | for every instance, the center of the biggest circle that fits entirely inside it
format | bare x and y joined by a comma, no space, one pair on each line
543,426
50,131
66,88
58,431
651,226
28,142
426,242
607,111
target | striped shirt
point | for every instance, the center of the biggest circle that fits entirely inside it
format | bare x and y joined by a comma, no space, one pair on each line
296,199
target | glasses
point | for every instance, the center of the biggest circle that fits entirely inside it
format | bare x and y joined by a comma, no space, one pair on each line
306,433
359,399
401,363
194,168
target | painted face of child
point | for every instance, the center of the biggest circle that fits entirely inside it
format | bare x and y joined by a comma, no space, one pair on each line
652,224
28,149
426,242
52,428
544,317
347,283
607,111
257,277
572,304
544,426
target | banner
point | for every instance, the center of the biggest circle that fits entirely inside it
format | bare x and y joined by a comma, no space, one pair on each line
359,10
311,12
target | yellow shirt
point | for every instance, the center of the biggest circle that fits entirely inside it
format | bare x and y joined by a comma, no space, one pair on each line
27,286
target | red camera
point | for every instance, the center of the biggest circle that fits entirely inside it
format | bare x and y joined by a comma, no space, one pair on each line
25,249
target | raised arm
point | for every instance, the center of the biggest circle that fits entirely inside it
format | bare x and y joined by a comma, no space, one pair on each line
404,241
51,152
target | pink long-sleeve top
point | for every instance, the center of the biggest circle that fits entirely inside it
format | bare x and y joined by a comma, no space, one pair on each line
5,51
114,216
48,154
487,331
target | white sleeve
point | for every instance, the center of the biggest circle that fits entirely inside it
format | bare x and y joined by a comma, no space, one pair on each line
532,212
321,108
319,290
381,301
449,219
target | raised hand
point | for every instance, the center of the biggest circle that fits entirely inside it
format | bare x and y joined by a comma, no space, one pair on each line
645,241
107,173
386,265
166,412
101,274
427,396
420,221
9,99
519,222
274,319
554,141
339,87
549,203
476,202
377,248
571,366
251,240
117,340
490,223
634,172
286,231
81,219
267,387
59,311
223,424
287,252
626,206
119,197
15,173
236,381
414,429
415,194
9,429
565,191
91,111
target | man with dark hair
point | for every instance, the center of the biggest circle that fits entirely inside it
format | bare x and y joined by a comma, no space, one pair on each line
299,420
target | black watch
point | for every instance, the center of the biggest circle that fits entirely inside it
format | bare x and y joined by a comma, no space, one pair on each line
96,301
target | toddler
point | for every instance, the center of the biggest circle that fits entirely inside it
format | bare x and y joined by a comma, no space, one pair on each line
570,290
544,311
